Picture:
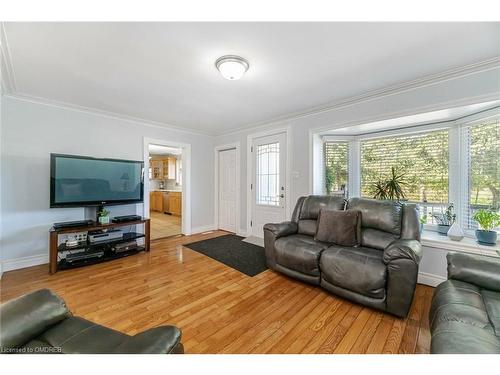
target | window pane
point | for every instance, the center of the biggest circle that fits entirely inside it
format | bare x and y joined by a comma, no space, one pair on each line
484,171
267,174
422,160
336,167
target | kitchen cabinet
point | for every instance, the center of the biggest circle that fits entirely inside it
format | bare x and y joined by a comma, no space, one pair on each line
175,203
163,168
166,201
156,169
156,201
163,201
172,175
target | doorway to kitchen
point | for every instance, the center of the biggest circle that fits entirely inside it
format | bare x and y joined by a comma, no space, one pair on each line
164,174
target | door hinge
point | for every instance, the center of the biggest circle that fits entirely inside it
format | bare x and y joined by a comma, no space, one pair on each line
251,148
251,223
251,186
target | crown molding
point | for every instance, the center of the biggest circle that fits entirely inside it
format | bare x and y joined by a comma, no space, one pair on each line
7,69
9,88
428,80
104,113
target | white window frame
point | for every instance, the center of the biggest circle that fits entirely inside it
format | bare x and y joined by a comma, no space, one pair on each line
458,173
351,159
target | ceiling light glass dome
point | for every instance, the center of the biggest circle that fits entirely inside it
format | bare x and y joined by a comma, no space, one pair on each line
232,67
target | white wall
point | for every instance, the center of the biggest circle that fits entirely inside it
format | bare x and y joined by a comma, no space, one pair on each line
471,87
31,131
1,216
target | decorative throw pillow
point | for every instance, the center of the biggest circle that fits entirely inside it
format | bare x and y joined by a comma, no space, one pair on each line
339,227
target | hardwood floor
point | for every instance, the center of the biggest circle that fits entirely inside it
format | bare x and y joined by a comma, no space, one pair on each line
221,310
163,225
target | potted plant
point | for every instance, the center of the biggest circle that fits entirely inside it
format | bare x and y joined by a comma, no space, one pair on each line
488,220
423,221
103,216
445,220
390,189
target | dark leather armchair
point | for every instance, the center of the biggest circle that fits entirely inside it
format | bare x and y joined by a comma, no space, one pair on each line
381,273
465,309
40,322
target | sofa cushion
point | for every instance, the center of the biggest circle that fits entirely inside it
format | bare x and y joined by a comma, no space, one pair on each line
455,300
339,227
358,269
307,227
375,214
492,304
314,203
455,337
376,239
77,335
464,319
300,253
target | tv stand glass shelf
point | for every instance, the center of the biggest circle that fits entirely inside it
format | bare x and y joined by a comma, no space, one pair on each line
96,252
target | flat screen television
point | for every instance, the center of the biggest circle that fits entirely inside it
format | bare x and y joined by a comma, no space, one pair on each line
77,181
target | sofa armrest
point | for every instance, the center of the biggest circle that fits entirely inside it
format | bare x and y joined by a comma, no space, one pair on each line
159,340
403,249
402,258
26,317
282,229
475,269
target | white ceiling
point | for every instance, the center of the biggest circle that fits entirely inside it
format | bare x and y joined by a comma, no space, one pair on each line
164,150
164,72
434,117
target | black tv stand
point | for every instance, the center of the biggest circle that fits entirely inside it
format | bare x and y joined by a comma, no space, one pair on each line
56,264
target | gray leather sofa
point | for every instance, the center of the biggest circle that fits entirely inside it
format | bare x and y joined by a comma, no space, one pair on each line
465,310
40,322
381,273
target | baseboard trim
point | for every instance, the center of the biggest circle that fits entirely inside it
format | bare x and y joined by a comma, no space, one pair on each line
242,233
430,279
15,264
205,228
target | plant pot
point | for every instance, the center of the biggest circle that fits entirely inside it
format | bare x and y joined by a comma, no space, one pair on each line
486,237
443,229
103,219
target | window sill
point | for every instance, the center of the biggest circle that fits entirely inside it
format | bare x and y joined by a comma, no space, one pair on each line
467,245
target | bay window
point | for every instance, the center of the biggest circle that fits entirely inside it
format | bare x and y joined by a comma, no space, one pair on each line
455,162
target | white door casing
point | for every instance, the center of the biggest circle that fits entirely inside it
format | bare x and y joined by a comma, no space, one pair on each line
227,190
268,187
186,180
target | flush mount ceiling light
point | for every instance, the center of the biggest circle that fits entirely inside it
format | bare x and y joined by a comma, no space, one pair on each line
232,67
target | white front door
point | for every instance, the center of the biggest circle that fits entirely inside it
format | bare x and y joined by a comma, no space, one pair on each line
268,182
227,190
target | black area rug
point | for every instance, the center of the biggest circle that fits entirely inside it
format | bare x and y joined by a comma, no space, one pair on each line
233,252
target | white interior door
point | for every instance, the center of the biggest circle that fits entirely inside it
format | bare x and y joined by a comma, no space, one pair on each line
268,185
227,190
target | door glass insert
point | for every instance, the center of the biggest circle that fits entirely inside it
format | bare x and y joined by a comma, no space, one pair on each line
267,174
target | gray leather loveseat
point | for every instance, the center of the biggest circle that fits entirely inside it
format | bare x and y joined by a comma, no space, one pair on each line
381,273
40,322
465,310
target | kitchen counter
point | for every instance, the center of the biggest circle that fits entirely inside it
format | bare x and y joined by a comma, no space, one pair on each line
168,190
